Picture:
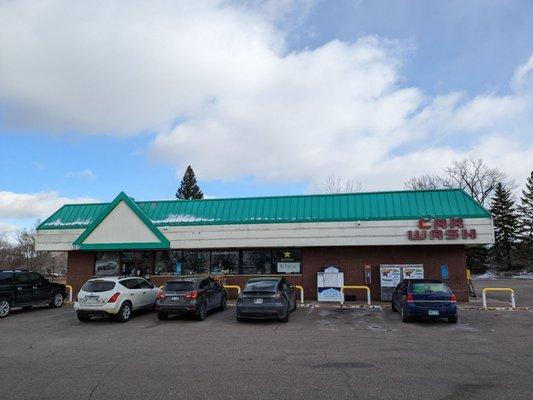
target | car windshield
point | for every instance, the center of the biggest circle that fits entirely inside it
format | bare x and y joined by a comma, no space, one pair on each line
269,285
98,286
184,286
430,287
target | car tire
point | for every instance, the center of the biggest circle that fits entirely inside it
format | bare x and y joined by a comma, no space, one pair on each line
202,311
5,307
452,320
287,314
124,314
56,301
223,303
83,317
162,316
405,316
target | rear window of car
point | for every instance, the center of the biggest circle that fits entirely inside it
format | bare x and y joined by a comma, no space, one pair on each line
179,286
264,286
429,287
98,286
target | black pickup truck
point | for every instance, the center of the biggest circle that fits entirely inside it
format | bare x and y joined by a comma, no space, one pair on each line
23,288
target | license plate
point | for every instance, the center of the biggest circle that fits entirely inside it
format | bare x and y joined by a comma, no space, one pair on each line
91,298
433,312
258,301
175,298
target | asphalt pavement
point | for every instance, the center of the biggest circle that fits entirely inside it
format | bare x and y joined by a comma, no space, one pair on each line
322,353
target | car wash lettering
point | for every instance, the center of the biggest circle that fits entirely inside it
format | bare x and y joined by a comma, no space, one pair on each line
441,229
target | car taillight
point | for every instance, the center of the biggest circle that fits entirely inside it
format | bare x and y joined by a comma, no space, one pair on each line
161,296
192,296
409,298
453,299
113,298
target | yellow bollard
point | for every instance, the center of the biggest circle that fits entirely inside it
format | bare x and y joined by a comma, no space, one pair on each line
357,287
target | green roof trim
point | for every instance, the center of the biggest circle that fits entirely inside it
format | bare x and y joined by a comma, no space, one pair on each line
122,197
374,206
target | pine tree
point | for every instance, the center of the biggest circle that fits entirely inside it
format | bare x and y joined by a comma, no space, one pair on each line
525,212
525,232
505,227
189,187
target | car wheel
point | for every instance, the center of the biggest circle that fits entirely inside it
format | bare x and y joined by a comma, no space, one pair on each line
286,317
57,301
223,303
405,316
83,317
124,313
202,311
162,316
5,307
452,320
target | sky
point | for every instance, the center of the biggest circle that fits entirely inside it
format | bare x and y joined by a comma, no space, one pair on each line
261,98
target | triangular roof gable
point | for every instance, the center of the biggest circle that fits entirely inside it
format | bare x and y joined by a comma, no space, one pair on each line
161,242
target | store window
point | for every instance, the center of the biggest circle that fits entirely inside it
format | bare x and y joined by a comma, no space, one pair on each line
195,262
168,262
107,263
287,261
257,261
137,263
225,262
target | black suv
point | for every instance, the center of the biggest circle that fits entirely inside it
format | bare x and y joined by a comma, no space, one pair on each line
194,295
23,288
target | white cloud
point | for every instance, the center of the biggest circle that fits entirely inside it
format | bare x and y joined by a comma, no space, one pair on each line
245,104
85,174
34,205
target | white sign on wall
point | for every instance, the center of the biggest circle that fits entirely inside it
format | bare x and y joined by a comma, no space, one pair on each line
329,284
288,267
413,272
390,276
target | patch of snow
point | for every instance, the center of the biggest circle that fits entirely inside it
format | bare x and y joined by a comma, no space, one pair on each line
176,218
486,275
523,275
59,222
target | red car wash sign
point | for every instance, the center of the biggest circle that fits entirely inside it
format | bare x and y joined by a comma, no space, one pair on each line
441,229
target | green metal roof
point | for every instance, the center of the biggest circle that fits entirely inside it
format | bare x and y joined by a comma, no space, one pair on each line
376,206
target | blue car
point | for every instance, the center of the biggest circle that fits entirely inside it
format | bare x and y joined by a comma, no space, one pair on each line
427,298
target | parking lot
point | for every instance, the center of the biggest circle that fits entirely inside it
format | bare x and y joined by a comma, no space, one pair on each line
320,353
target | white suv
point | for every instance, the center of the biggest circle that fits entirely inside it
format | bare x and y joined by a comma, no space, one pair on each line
115,296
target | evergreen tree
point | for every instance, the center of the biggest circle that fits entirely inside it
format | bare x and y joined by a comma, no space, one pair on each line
505,227
189,187
525,214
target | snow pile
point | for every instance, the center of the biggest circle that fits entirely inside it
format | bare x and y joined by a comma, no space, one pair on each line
176,218
59,223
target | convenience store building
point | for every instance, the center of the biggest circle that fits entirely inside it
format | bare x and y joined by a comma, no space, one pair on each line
293,236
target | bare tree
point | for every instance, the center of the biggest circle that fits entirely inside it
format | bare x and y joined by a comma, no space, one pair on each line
476,178
424,182
472,175
335,184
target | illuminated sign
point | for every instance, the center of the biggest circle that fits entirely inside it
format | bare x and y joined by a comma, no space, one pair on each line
441,229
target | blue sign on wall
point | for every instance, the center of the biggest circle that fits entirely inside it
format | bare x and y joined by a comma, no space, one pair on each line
444,272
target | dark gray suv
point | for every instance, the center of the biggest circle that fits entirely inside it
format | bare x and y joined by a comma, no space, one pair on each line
195,296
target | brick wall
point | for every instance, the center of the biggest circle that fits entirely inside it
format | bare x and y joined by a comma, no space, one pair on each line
351,261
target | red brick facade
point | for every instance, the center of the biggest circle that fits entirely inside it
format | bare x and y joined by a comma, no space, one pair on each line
350,260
